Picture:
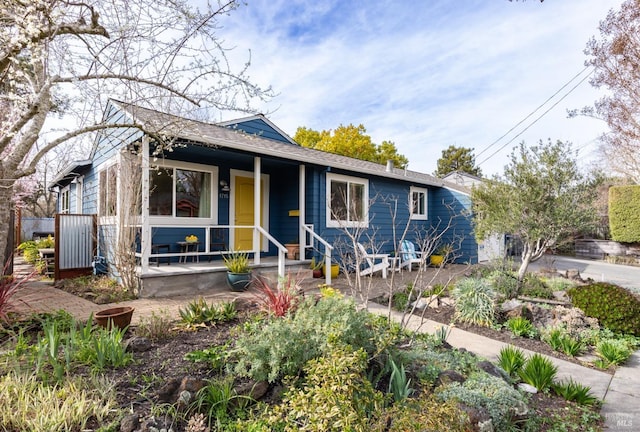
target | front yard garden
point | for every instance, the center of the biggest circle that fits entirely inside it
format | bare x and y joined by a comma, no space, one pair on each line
281,363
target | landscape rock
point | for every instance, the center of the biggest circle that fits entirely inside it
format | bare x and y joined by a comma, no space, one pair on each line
510,305
166,392
478,417
528,388
252,389
130,423
520,311
137,344
448,377
493,370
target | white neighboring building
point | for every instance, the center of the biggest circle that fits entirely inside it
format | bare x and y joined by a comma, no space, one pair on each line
494,247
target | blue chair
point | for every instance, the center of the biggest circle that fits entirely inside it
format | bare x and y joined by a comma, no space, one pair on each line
409,256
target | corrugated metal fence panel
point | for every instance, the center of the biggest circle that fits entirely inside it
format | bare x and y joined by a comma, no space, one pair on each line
75,242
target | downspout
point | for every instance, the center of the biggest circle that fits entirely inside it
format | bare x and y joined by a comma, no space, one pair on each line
302,234
145,237
257,209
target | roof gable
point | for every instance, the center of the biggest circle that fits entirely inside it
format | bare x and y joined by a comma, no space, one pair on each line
259,125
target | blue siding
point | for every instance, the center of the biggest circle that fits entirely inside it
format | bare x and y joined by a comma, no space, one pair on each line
447,203
261,128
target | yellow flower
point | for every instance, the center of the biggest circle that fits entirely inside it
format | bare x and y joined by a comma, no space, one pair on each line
191,238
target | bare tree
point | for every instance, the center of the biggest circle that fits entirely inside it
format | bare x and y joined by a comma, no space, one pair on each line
615,57
61,60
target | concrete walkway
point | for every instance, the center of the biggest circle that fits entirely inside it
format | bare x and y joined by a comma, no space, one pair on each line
620,392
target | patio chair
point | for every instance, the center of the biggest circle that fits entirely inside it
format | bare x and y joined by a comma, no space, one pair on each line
409,256
373,262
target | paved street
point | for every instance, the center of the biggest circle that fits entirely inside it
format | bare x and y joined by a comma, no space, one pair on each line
626,276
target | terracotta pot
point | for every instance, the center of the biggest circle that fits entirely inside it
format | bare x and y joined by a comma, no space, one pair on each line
118,316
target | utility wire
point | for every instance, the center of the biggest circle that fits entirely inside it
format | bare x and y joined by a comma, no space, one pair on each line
536,120
535,110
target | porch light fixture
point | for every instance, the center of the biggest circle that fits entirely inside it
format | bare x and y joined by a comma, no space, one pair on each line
224,186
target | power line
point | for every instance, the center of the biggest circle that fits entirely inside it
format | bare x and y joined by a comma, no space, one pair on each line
538,118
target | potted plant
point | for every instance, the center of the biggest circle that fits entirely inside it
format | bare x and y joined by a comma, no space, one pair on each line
238,270
441,254
335,270
316,267
293,248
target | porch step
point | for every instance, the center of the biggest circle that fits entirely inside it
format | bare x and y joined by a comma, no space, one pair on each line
205,278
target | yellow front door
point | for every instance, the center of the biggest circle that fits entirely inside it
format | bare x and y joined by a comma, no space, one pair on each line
244,212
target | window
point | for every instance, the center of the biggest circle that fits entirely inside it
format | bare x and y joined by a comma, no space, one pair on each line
108,184
180,192
347,199
418,198
64,200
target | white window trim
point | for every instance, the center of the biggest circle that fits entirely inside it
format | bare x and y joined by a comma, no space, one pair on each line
106,220
65,190
415,216
79,194
330,223
189,221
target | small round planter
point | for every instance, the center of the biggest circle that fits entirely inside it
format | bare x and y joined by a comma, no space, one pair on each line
238,281
335,270
118,316
436,260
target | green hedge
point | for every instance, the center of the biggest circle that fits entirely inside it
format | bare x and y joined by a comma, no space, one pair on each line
624,213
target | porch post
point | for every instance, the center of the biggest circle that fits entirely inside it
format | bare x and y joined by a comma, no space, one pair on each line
145,235
257,209
302,234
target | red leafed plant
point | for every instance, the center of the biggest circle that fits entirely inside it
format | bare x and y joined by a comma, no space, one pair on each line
8,287
281,299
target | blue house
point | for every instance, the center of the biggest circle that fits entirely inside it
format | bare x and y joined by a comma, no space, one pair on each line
246,185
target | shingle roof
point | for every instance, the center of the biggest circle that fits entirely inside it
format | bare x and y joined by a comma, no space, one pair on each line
215,135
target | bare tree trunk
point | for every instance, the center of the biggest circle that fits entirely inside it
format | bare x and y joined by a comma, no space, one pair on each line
5,218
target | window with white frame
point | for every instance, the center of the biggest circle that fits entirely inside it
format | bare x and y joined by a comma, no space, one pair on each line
108,179
418,197
64,200
184,192
347,201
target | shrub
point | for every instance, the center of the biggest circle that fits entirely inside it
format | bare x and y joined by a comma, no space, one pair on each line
538,371
614,307
336,396
575,392
282,346
156,327
216,356
199,312
534,286
8,288
29,405
400,300
520,326
613,351
423,414
511,360
474,301
504,282
279,300
559,340
485,391
559,283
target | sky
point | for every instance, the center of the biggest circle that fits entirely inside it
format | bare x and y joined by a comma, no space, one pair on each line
426,74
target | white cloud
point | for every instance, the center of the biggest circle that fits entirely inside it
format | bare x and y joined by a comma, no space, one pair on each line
424,75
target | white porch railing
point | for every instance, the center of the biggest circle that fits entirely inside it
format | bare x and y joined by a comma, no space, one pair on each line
327,250
255,251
